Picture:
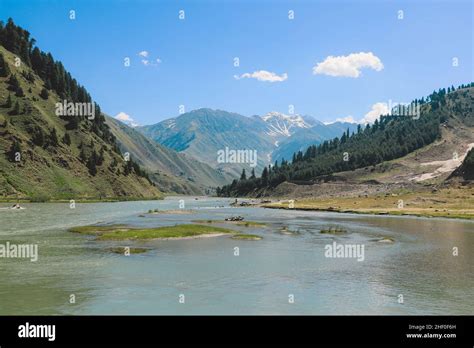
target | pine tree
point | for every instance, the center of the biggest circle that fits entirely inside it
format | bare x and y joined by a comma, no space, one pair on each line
30,77
19,92
38,136
13,82
9,102
100,158
15,149
4,68
53,139
67,139
82,155
243,176
92,166
114,162
265,177
44,93
16,109
128,167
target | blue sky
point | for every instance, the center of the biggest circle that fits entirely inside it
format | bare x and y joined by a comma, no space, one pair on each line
196,67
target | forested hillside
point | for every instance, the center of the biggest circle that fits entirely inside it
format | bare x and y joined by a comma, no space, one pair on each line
391,137
46,155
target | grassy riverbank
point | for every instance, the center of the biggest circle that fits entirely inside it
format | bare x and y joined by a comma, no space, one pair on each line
447,203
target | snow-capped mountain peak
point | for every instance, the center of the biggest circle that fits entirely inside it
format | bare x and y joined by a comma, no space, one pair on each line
283,125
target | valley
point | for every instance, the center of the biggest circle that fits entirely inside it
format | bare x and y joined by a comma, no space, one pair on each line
91,156
236,158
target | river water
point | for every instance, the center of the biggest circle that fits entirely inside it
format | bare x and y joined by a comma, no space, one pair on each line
280,274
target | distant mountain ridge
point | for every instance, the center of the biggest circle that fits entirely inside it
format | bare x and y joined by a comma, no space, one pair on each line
202,133
304,137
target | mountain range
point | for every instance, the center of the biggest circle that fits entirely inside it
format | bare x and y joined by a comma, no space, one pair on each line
275,136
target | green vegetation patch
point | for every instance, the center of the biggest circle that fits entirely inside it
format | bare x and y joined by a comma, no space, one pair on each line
99,229
240,223
334,230
247,237
119,232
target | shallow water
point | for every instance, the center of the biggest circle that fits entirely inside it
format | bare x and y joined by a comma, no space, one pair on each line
267,273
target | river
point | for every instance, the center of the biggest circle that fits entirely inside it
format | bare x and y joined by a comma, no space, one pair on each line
284,273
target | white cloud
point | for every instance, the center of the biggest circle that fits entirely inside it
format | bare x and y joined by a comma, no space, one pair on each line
143,54
349,119
375,112
348,66
263,75
147,62
125,118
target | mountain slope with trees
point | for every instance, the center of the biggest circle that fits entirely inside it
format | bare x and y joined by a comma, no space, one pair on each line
45,156
391,137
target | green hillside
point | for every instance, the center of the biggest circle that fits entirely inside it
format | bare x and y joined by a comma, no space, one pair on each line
446,116
171,171
45,156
